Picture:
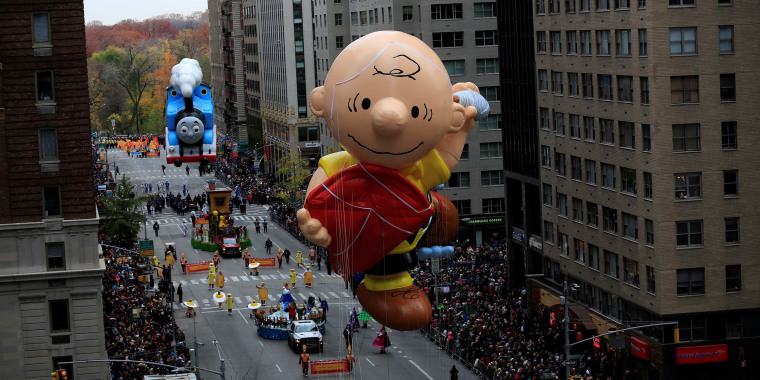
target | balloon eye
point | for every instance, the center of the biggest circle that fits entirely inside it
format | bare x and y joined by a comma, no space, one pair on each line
366,103
415,112
204,91
184,129
196,129
174,92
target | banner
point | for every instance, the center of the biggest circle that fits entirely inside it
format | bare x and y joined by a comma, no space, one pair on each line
702,354
322,367
197,267
146,247
264,261
153,154
201,221
639,348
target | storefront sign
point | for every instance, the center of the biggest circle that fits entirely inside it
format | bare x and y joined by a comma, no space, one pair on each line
146,247
518,237
311,145
536,243
479,221
702,354
639,348
197,267
264,261
320,367
548,299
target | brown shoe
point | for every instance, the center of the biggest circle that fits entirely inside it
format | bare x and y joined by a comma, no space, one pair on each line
403,309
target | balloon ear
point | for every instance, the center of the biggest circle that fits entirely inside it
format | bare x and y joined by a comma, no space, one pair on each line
317,101
457,118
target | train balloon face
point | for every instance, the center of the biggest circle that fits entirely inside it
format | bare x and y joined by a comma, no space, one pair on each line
190,130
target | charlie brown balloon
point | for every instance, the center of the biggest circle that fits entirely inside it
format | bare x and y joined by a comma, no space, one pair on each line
388,101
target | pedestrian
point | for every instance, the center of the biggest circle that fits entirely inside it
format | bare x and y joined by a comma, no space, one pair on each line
312,255
211,278
183,262
324,306
150,187
286,253
192,217
319,261
299,258
179,293
263,293
303,360
268,246
230,302
308,277
348,335
155,227
257,225
152,281
167,186
265,226
117,170
187,169
327,264
163,169
246,258
353,319
219,280
184,229
382,340
293,278
152,210
279,258
242,208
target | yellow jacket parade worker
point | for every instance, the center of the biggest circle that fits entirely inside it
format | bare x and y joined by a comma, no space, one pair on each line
263,293
169,259
293,277
210,280
220,280
229,303
308,276
299,258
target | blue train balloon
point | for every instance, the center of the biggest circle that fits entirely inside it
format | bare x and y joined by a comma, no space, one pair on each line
190,130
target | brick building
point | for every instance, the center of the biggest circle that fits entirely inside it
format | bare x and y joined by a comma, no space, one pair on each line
51,271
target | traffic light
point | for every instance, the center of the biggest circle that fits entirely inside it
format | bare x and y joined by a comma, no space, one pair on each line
54,376
59,374
676,335
64,375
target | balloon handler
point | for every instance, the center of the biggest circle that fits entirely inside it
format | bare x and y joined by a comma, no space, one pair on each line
388,100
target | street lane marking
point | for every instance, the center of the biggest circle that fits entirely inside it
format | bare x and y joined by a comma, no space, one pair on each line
205,301
244,278
303,296
262,345
323,295
271,298
233,278
423,372
373,364
238,300
345,294
244,318
278,367
183,282
334,295
313,295
264,277
248,299
194,282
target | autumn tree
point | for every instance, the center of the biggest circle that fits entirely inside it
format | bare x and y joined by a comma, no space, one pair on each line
292,176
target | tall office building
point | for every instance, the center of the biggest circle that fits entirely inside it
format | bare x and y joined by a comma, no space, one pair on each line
463,34
51,272
644,119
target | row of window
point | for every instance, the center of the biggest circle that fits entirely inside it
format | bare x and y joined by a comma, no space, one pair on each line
573,6
691,281
456,67
488,206
456,39
487,178
451,11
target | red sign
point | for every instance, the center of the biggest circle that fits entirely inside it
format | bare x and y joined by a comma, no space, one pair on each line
329,366
639,348
197,267
264,261
702,354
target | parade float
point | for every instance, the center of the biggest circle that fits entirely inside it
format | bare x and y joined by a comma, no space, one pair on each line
274,324
215,230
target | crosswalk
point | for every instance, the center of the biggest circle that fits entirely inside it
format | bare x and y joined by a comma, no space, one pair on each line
264,277
187,220
273,298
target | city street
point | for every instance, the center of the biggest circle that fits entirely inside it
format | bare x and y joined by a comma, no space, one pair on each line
246,354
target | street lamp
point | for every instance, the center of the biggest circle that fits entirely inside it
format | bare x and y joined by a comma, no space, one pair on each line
566,304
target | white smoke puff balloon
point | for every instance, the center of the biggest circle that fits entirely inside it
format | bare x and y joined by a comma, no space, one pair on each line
186,75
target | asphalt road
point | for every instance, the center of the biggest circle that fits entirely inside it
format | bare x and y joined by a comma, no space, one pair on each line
247,355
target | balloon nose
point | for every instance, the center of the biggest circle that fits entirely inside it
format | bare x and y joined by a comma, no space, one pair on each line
389,116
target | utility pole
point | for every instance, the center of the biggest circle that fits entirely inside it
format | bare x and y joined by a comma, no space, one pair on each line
567,330
221,361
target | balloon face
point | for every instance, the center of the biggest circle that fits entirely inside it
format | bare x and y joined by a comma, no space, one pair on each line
190,130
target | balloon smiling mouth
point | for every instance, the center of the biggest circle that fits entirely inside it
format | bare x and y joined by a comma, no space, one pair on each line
390,153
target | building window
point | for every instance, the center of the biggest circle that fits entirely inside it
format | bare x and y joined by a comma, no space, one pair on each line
631,272
541,42
559,161
559,123
683,41
642,43
686,138
676,3
483,10
546,158
576,171
487,66
363,17
446,11
625,88
540,7
650,280
407,13
649,227
728,135
448,39
465,152
623,42
591,172
689,233
572,84
733,322
642,4
56,259
549,232
41,28
44,86
593,257
572,42
585,5
547,194
491,123
602,42
575,126
59,316
491,150
627,134
463,206
485,38
605,86
490,93
355,18
611,264
339,19
630,226
690,281
688,185
648,190
459,179
628,180
732,230
622,4
589,129
543,114
609,219
580,254
585,42
578,210
557,86
52,201
556,40
692,327
730,183
727,87
308,133
644,82
592,214
588,85
454,67
564,244
602,5
491,177
493,205
726,38
685,89
646,138
607,131
562,204
339,42
48,144
554,6
725,2
733,278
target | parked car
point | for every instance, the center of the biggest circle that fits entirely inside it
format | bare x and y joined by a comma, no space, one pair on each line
230,247
305,333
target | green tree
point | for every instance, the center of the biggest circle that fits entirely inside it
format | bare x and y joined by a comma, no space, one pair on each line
292,176
122,213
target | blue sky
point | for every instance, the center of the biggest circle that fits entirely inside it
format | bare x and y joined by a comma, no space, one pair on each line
113,11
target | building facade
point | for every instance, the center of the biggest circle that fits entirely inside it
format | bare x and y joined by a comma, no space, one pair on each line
51,276
464,35
644,116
